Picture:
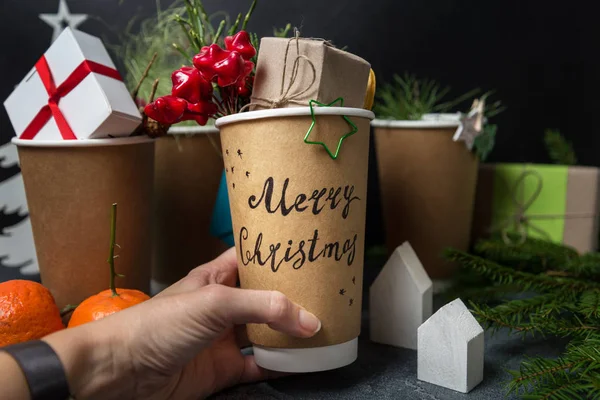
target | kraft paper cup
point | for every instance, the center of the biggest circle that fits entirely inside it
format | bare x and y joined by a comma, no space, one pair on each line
187,169
70,186
427,184
310,246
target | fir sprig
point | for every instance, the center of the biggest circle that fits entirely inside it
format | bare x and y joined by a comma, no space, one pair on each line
541,304
533,255
559,149
555,292
545,319
586,266
282,32
589,304
176,34
574,373
198,26
509,276
485,142
409,98
140,40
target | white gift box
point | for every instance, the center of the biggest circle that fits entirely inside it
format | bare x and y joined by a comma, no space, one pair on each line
73,92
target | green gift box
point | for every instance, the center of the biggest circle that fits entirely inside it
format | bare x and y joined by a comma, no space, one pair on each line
554,202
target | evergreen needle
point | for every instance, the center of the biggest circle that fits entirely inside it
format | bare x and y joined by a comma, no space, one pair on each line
547,289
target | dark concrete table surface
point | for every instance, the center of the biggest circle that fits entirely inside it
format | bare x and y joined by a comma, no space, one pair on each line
385,372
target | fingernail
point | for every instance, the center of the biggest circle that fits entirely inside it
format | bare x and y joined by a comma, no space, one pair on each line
309,321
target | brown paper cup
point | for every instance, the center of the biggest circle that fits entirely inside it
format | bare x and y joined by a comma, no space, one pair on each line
427,186
70,186
187,170
299,224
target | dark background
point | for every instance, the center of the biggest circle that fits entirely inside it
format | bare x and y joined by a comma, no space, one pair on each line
542,59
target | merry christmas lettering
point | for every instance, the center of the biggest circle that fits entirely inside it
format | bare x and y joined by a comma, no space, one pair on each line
319,200
309,250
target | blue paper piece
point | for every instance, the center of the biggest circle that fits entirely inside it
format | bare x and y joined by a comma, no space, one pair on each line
220,225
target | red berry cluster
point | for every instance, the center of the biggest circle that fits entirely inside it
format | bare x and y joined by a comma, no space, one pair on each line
192,96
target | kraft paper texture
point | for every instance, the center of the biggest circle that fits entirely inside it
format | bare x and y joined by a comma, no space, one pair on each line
567,201
187,172
299,219
69,193
427,186
334,69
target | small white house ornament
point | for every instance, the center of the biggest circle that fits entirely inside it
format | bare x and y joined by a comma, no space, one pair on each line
401,299
451,348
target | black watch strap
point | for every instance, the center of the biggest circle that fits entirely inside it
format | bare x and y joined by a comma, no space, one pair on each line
42,368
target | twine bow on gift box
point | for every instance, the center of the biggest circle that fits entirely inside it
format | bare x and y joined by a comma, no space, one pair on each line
286,96
520,221
56,93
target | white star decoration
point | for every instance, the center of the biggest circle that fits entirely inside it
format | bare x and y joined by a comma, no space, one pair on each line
62,19
471,124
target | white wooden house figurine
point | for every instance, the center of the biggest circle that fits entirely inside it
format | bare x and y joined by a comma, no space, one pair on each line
400,299
451,348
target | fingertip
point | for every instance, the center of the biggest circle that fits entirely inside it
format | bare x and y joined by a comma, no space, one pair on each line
309,322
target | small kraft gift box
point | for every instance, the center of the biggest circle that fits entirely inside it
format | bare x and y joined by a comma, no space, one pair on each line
73,92
307,69
554,202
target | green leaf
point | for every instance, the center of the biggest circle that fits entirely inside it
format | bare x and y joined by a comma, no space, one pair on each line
282,32
484,143
182,52
219,31
409,98
559,149
249,14
235,25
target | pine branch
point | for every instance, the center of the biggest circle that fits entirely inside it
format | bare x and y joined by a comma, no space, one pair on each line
589,304
409,98
565,389
565,302
533,255
533,305
485,142
536,371
493,322
219,31
134,92
585,266
282,32
248,15
559,149
578,370
508,276
236,24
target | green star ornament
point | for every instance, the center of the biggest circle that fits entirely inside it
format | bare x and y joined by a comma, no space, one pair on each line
354,129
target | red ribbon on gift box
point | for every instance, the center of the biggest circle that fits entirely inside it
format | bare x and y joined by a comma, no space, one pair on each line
56,93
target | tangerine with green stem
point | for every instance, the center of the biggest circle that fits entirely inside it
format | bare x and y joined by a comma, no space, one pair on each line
111,300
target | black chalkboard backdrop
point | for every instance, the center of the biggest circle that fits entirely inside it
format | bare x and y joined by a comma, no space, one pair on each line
541,57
